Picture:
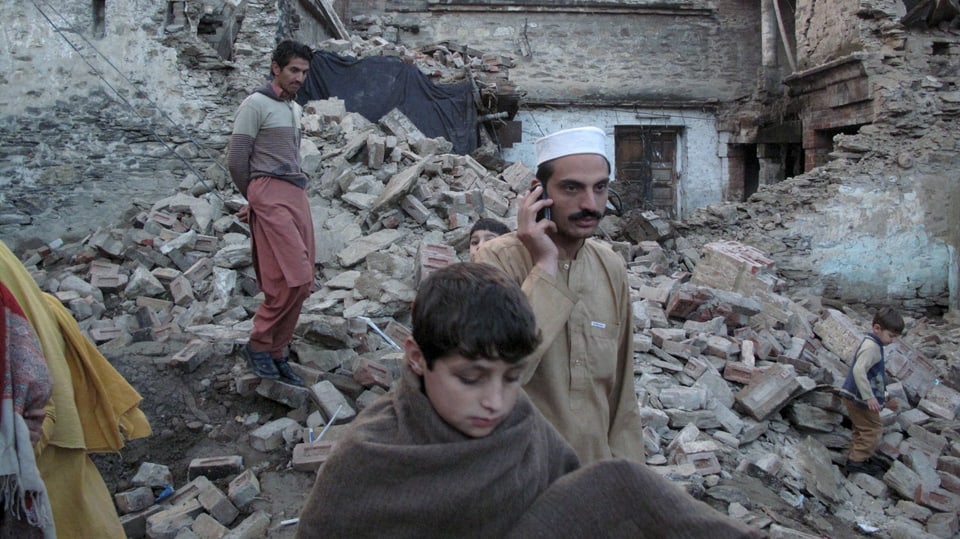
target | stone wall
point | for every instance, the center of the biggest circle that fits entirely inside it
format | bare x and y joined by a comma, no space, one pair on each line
602,52
93,126
49,66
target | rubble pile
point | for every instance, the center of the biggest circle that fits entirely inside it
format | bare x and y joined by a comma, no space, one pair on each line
914,90
734,376
445,61
739,377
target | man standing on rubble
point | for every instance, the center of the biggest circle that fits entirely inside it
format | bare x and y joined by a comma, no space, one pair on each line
264,162
581,375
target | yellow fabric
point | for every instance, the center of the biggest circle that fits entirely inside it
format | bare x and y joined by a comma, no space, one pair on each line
93,408
82,505
98,408
109,404
581,375
62,426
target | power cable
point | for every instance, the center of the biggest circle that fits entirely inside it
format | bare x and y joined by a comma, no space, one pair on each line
155,106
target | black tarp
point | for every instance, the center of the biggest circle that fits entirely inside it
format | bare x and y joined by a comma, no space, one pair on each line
930,12
376,85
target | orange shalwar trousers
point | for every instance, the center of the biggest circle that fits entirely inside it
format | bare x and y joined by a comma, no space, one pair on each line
283,254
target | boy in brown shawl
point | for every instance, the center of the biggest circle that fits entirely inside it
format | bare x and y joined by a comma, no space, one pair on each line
457,450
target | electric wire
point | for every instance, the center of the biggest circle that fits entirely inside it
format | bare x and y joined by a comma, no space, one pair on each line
155,106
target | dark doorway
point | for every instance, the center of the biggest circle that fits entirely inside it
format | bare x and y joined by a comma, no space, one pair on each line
99,18
646,158
792,160
751,170
819,154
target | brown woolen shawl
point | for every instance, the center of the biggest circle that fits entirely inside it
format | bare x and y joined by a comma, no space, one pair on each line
401,471
622,499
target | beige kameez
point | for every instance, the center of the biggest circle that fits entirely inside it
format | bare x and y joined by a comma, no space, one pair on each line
581,376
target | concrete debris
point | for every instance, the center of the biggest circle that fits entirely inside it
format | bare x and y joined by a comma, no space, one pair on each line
731,374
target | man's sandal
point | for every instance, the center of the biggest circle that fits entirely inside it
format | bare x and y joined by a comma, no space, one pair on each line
261,363
287,374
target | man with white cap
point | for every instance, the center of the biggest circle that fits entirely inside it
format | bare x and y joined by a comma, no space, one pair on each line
581,375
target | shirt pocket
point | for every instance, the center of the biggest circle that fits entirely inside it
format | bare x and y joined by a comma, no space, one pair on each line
600,343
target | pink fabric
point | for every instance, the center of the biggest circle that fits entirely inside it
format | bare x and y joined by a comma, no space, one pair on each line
25,384
283,254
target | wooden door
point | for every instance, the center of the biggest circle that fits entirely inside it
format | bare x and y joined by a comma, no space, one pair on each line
646,172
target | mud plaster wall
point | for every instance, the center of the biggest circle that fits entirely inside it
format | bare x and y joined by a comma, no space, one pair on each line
699,163
45,68
625,56
73,153
872,243
826,30
891,231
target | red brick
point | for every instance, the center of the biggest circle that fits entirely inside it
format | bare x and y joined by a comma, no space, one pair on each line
162,218
369,372
740,373
182,291
215,467
695,367
308,457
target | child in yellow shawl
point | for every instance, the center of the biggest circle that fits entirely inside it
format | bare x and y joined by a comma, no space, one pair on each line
457,449
93,409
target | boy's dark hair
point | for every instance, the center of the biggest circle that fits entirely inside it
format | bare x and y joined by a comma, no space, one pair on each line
289,49
492,225
889,319
474,310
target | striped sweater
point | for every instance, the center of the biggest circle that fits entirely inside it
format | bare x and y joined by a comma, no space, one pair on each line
266,140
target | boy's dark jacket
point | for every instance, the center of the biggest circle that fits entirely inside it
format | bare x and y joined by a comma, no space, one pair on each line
877,376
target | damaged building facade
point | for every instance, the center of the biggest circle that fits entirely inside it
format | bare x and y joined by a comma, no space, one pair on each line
706,103
657,76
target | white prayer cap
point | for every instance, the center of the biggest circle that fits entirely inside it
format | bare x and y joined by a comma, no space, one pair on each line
570,142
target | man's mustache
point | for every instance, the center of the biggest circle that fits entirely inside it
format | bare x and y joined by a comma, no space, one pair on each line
584,214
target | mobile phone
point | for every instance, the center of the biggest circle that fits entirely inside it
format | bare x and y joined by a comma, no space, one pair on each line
545,212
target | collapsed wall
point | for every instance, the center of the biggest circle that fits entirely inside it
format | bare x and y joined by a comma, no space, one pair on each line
72,150
877,222
98,112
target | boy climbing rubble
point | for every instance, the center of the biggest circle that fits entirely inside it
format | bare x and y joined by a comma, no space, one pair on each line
864,391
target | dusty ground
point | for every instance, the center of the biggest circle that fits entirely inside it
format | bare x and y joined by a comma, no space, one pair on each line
199,414
193,415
